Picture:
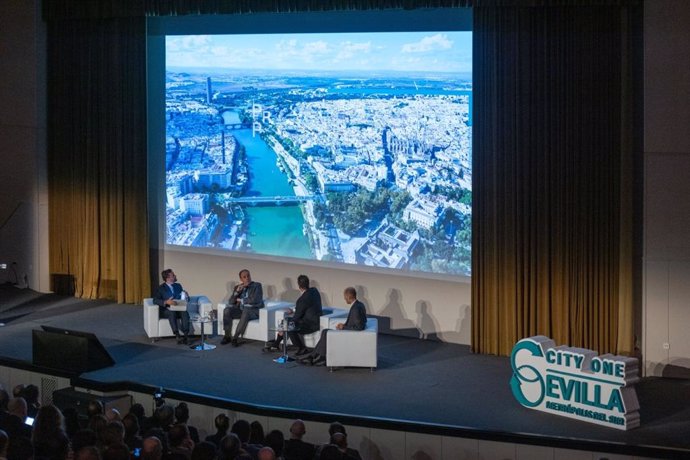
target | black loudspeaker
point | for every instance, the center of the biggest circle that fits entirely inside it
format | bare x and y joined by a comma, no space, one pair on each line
69,351
79,401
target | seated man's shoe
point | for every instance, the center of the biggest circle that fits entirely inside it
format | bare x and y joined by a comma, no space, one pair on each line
226,340
235,343
302,351
179,338
320,361
185,340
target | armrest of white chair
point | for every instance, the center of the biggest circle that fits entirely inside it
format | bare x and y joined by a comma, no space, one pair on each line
353,348
150,318
337,314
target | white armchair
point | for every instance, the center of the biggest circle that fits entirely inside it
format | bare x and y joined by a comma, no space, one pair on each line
328,314
258,329
353,348
157,327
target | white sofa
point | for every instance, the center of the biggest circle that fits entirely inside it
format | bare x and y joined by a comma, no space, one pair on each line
339,315
258,329
353,348
156,327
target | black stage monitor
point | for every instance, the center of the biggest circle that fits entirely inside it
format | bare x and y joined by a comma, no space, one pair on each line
68,350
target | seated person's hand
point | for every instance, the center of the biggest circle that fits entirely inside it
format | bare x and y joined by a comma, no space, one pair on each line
340,326
170,301
289,311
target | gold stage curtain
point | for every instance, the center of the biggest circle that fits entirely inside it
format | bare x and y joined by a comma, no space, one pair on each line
552,182
97,157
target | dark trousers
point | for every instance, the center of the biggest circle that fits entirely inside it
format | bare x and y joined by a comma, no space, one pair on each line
173,317
296,337
244,314
320,348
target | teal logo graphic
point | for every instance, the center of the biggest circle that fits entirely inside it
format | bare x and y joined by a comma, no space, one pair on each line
575,382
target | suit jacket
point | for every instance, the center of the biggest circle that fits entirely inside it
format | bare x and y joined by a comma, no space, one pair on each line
253,299
357,317
163,293
308,311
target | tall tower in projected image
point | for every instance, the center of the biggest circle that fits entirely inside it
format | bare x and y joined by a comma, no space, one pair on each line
209,91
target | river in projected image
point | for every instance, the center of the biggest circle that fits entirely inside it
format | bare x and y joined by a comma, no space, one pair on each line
369,167
275,230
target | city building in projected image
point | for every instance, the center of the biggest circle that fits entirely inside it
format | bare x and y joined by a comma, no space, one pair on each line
352,148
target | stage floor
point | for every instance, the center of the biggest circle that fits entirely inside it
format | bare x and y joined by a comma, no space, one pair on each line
419,385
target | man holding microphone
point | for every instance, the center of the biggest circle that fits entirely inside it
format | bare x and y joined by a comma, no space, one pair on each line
244,303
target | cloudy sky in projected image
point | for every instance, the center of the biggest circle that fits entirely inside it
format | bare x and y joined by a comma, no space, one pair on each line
381,51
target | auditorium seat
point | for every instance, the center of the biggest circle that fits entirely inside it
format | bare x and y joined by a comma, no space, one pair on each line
157,327
348,348
259,329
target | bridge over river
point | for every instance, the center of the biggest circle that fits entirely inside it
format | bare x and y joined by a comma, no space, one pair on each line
272,200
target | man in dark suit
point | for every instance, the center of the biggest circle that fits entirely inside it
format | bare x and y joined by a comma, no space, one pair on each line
307,316
167,295
295,448
244,303
356,321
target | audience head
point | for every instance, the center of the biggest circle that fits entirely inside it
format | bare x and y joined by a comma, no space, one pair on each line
151,449
17,406
95,407
229,447
222,423
242,429
336,427
266,453
178,434
113,414
182,412
113,434
18,391
138,411
350,294
164,415
131,424
30,394
87,453
297,429
275,440
49,423
303,282
256,436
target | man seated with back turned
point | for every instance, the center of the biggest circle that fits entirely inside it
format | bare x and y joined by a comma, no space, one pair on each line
244,303
307,317
167,295
356,321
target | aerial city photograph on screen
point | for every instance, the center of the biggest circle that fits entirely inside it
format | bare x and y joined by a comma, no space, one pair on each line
351,148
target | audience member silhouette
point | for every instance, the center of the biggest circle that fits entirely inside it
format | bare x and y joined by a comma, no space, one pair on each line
222,423
295,448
